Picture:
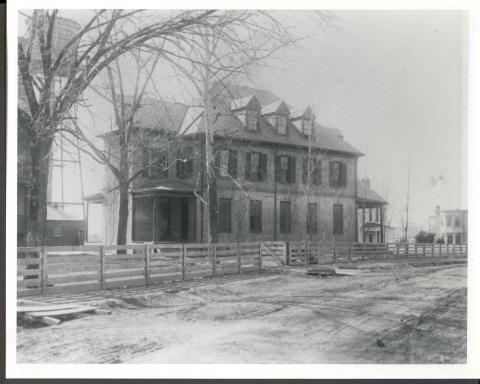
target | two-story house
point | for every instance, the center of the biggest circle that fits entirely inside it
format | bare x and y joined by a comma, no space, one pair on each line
280,174
451,226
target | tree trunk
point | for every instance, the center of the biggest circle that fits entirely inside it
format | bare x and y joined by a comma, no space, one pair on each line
213,206
122,214
37,220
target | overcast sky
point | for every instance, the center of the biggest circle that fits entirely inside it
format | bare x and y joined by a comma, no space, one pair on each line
394,83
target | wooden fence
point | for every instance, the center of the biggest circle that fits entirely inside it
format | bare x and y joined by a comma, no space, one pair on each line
47,270
303,253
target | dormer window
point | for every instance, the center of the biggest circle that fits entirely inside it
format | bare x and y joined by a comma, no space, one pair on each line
307,127
252,120
282,124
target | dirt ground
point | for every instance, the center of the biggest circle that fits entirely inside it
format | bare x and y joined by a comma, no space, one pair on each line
403,314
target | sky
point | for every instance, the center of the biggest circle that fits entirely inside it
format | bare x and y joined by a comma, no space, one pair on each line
394,82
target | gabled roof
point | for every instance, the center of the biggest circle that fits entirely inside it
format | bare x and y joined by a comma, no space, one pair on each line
278,106
306,113
367,194
247,102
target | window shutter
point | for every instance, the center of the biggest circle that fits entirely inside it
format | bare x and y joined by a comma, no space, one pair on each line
292,170
248,165
217,163
146,161
277,168
263,166
232,163
343,174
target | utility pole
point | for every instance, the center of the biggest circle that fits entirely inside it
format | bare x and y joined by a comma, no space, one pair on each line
408,200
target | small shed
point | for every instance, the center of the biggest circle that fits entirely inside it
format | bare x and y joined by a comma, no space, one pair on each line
64,228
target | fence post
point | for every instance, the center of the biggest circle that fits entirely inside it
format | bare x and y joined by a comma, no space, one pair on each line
101,252
239,258
146,254
259,256
376,251
466,249
424,253
433,250
454,246
183,261
350,252
448,251
287,253
398,250
214,258
440,250
44,272
334,252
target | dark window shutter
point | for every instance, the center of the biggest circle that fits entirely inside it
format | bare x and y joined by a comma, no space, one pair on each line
248,165
292,170
263,167
344,174
330,174
146,161
217,163
232,163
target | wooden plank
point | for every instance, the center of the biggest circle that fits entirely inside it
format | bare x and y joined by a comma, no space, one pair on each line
72,278
62,312
48,307
29,283
74,288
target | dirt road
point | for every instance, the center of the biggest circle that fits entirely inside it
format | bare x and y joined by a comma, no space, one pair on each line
403,315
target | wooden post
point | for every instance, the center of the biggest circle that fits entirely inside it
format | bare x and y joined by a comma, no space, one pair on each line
447,249
239,258
44,271
307,252
433,250
146,254
466,249
334,252
424,253
259,256
454,246
416,250
440,250
183,261
398,250
287,253
101,252
350,252
376,251
214,259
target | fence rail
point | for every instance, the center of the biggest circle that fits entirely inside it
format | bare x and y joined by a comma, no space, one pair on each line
47,270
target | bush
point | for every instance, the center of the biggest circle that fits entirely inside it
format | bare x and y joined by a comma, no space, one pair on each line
424,237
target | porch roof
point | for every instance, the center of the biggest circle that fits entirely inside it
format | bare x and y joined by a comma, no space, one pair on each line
167,186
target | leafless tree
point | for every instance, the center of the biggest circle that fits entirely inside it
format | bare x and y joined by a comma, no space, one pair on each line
106,36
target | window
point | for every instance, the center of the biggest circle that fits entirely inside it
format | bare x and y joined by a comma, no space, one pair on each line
252,120
315,171
256,166
142,219
449,221
458,238
377,213
185,164
286,169
338,174
307,126
312,218
450,238
255,216
457,221
155,163
226,163
225,215
282,124
379,237
57,230
338,219
370,214
285,217
370,237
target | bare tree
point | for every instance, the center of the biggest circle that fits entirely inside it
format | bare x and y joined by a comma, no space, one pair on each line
107,35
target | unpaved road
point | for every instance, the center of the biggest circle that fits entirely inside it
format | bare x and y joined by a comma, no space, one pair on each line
402,315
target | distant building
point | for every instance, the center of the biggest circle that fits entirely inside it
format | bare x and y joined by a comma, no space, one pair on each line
63,228
371,214
450,225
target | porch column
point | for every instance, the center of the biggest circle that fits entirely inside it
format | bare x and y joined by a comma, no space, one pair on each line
382,226
363,222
